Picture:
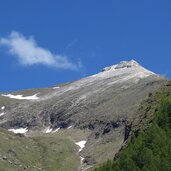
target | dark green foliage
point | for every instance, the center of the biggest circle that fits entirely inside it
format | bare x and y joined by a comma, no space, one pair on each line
151,150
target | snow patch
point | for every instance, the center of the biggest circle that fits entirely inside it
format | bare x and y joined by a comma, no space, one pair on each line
19,130
81,144
82,158
20,97
48,130
56,130
1,114
56,87
69,127
3,107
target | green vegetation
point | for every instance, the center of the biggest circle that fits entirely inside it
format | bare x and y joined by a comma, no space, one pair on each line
151,149
47,152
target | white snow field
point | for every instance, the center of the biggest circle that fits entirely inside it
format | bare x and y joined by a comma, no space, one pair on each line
3,113
81,144
20,97
3,107
19,130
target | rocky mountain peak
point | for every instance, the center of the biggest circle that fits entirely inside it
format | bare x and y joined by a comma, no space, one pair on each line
94,112
121,65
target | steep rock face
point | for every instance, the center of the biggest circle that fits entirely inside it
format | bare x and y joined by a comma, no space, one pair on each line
108,95
105,104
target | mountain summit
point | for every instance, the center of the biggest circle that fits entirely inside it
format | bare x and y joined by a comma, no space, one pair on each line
96,112
123,64
129,69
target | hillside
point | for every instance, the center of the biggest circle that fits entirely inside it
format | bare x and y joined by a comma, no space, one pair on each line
78,125
149,149
18,153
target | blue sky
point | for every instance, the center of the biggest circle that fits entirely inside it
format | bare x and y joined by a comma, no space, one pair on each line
44,42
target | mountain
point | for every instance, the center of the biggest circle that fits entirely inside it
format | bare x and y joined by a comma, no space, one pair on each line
90,119
149,148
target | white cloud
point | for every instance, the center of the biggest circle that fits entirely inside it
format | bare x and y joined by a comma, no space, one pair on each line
29,53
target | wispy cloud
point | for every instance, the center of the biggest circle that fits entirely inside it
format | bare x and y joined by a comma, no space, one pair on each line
29,53
70,44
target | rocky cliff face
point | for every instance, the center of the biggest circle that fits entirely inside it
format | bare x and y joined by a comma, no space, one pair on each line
104,105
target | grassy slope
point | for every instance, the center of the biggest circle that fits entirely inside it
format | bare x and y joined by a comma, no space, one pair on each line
151,149
46,152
